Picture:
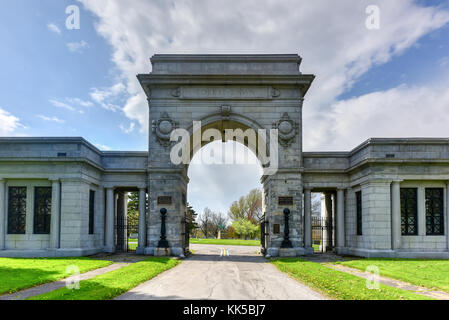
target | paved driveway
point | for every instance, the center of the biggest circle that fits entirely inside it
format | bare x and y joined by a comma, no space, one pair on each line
222,273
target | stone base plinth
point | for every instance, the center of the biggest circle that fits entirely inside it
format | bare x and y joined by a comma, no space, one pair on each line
287,252
162,252
308,251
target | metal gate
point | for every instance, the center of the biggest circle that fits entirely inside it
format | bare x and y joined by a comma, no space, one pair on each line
322,234
186,222
263,235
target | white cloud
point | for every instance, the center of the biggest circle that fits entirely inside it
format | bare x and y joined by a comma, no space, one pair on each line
80,102
102,147
332,39
52,119
443,62
60,104
77,46
129,129
399,112
104,96
9,123
53,28
136,108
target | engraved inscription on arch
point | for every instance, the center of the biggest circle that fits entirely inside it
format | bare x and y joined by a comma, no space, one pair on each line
226,92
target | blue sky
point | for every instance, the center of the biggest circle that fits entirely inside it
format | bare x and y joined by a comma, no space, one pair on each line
38,68
425,62
370,83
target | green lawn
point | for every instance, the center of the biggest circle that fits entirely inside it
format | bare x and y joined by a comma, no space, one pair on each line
114,283
132,246
233,242
433,274
20,273
339,285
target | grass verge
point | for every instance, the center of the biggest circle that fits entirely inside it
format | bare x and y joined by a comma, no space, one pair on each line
114,283
339,285
21,273
433,274
230,242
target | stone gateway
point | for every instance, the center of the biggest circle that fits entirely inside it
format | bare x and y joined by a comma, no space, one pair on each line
64,197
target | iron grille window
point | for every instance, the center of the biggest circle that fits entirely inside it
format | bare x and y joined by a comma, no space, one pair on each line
17,197
434,211
91,211
409,211
42,210
358,196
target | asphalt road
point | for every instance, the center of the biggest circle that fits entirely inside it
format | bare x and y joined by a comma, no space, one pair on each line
223,273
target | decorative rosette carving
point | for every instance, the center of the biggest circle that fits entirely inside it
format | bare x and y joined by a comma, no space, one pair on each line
287,128
163,129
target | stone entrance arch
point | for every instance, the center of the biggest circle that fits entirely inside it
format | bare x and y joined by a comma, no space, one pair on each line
259,92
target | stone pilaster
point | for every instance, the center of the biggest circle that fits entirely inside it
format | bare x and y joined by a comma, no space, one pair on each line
447,215
55,222
2,213
395,215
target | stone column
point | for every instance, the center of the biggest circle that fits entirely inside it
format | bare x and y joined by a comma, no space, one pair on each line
327,230
395,215
421,211
121,222
340,218
142,222
55,222
109,232
308,220
2,214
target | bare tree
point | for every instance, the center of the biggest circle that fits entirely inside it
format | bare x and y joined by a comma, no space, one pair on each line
316,204
210,222
219,220
205,221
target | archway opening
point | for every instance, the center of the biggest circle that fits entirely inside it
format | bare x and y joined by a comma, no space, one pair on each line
225,197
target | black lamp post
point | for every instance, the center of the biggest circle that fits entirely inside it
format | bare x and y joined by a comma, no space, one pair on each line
286,243
163,243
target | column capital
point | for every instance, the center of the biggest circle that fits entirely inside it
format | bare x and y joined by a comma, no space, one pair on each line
54,180
397,181
309,189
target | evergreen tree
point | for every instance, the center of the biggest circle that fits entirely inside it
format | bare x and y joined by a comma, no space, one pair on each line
191,216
